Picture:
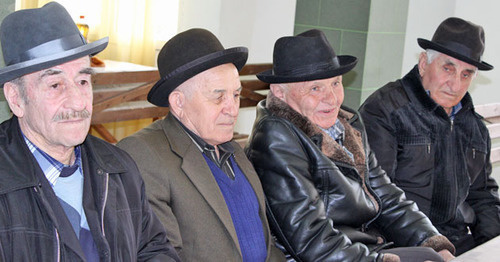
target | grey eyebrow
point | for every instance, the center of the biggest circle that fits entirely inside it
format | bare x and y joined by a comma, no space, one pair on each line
449,62
50,72
88,71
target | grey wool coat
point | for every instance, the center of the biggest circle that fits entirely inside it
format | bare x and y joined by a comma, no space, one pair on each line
185,196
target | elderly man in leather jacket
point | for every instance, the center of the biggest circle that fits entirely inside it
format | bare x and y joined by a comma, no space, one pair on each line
64,195
431,142
328,198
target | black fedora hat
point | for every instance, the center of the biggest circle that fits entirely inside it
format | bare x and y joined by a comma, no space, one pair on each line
35,39
188,54
460,39
305,57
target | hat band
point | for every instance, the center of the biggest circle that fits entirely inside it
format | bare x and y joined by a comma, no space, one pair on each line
310,69
49,48
458,48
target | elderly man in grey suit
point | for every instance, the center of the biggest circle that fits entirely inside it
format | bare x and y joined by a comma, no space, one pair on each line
200,184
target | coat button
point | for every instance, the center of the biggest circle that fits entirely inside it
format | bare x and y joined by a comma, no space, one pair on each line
99,171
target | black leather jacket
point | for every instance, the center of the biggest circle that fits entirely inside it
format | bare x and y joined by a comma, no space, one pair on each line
33,228
323,205
441,164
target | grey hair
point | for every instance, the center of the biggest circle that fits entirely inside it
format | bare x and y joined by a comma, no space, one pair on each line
431,55
188,88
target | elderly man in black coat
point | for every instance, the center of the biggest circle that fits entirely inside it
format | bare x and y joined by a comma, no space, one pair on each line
328,198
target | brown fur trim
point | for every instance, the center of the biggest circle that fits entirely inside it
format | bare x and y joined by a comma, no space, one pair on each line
438,243
353,140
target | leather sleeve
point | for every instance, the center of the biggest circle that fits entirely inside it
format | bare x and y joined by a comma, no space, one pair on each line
297,214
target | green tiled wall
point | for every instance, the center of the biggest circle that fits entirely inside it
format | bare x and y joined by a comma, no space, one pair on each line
385,44
8,7
371,30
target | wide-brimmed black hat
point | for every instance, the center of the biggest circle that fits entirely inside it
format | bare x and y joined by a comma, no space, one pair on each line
305,57
460,39
35,39
188,54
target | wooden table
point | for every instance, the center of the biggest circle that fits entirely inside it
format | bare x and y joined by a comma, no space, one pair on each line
489,251
120,91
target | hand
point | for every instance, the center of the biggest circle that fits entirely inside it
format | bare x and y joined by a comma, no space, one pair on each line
446,255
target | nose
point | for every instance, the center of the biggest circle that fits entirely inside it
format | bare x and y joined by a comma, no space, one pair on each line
330,97
75,97
231,106
454,82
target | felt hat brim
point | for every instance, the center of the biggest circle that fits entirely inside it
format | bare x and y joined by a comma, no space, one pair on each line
347,63
14,71
426,44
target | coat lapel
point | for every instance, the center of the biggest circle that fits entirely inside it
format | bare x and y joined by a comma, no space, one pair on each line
197,170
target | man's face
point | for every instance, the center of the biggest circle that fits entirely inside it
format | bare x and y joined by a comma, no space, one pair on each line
58,106
212,108
447,79
318,100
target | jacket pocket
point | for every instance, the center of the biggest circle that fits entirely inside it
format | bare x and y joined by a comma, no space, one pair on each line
476,159
415,162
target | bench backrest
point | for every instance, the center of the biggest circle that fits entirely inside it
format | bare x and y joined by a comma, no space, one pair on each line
491,114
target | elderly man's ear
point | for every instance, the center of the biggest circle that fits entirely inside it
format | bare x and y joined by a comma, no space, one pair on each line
13,97
176,101
422,63
278,91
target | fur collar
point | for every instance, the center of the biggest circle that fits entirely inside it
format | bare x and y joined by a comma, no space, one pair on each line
328,146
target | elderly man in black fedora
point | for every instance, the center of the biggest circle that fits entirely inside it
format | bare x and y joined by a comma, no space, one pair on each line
200,183
328,198
431,142
64,195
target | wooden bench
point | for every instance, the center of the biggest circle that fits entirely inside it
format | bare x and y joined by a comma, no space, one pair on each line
491,114
120,94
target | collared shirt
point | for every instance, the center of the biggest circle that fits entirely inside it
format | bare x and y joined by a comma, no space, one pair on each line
226,150
337,132
69,188
50,166
454,109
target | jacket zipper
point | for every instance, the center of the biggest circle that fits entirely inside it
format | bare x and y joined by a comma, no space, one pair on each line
58,245
365,225
106,182
56,234
375,196
451,125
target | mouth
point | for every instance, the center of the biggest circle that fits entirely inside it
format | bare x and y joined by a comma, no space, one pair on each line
72,121
328,111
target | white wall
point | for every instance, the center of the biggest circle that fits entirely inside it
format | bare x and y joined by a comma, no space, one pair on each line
424,16
256,24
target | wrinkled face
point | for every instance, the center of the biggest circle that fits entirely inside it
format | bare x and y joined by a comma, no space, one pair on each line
447,79
58,105
212,107
318,100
